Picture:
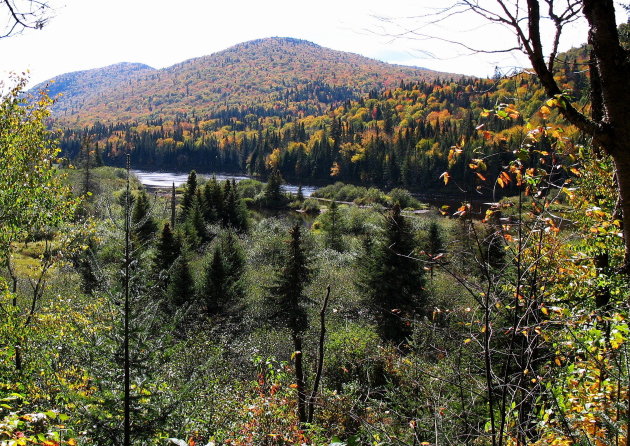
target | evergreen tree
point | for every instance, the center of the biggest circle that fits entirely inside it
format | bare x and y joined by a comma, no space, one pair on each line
142,223
229,205
87,183
289,287
235,213
435,242
273,191
300,195
98,158
167,251
196,216
333,227
234,259
392,281
290,305
84,264
213,200
194,228
173,206
214,289
180,291
222,288
189,194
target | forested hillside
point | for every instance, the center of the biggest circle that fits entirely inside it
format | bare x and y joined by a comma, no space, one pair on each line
307,113
400,136
279,75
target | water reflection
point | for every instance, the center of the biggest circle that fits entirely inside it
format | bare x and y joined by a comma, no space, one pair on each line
164,180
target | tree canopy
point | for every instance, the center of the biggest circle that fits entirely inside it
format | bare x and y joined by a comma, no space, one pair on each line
607,120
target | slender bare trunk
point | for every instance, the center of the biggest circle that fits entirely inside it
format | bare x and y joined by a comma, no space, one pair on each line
126,366
622,167
299,377
320,356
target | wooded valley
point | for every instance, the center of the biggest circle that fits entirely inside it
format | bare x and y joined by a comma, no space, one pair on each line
234,313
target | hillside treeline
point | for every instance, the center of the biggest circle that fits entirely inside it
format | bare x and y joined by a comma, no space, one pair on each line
395,137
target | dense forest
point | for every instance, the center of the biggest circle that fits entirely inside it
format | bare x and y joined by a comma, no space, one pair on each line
397,137
231,313
276,73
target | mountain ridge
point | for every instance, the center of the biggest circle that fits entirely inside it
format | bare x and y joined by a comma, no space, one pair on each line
261,71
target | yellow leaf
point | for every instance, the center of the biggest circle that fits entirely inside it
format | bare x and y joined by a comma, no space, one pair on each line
544,311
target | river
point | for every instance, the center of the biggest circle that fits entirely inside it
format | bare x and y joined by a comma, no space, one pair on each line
165,180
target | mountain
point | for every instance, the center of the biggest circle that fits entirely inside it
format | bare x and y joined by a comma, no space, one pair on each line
326,121
279,73
76,85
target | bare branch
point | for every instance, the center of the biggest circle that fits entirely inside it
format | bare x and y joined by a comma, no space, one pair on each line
24,14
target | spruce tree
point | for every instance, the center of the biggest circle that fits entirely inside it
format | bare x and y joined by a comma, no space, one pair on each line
333,227
290,306
180,291
142,223
84,264
240,221
435,243
98,158
173,206
234,259
214,289
196,216
189,194
288,290
213,201
235,213
222,288
273,191
87,183
167,251
229,205
392,280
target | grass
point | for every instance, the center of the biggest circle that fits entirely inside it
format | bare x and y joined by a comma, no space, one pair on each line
27,259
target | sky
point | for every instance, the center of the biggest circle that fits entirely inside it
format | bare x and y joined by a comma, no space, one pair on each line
85,34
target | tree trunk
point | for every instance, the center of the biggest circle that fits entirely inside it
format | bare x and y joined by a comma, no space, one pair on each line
612,65
320,357
609,65
622,168
299,377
